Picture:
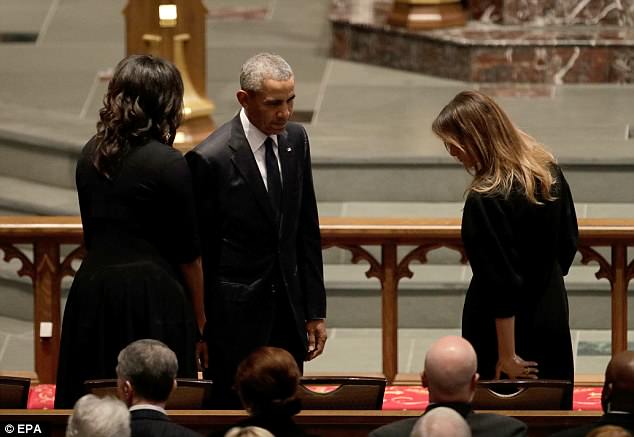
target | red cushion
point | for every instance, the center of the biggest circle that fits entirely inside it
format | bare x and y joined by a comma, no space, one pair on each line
397,397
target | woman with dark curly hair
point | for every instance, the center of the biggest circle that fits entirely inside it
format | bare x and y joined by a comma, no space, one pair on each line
142,276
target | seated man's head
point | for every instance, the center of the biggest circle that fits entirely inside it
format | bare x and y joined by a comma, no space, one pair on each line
609,431
450,370
441,422
99,417
146,372
618,389
267,381
248,431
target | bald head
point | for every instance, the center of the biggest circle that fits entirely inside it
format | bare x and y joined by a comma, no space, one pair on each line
441,422
618,390
450,370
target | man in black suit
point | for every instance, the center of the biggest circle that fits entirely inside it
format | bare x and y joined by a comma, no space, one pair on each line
617,397
450,376
259,229
146,375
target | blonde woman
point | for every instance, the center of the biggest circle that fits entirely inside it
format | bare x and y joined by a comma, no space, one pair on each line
519,230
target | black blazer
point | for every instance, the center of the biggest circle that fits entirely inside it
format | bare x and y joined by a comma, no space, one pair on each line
152,423
481,424
244,245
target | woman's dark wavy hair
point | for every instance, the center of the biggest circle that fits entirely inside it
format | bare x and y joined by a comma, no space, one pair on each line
144,102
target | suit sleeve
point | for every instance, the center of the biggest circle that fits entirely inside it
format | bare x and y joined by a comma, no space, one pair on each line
203,196
568,230
492,253
310,262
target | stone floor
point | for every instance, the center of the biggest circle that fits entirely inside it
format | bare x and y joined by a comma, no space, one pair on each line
348,350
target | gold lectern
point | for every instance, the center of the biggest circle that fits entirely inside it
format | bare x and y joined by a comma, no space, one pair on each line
427,14
175,30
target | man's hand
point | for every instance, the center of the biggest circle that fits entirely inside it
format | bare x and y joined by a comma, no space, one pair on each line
202,355
316,330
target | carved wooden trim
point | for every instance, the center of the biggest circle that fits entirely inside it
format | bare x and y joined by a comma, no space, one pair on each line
420,254
12,252
47,305
66,267
360,254
629,273
605,271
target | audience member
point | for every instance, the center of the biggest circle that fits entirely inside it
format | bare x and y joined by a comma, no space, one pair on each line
146,375
441,422
248,431
609,431
450,376
99,417
267,382
617,397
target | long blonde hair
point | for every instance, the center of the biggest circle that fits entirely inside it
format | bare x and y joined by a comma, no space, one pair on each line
504,158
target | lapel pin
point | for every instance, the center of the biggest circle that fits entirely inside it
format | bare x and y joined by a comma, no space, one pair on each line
288,149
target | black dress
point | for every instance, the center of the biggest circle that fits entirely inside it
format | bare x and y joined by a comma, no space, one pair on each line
519,253
138,226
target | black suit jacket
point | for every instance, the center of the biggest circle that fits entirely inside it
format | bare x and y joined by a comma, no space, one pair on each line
152,423
623,420
481,424
244,245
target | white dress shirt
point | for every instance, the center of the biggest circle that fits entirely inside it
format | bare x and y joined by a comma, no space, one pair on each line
148,407
256,139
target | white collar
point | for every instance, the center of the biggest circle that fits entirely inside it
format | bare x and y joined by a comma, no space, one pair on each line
148,407
255,136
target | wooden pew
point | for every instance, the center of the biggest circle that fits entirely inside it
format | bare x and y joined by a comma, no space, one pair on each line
324,423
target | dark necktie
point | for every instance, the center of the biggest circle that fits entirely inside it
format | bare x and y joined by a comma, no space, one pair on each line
273,179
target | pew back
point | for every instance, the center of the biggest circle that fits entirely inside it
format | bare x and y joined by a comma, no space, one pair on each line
335,423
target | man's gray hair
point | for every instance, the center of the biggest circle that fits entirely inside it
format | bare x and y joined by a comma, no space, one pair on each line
151,368
263,66
248,431
99,417
441,422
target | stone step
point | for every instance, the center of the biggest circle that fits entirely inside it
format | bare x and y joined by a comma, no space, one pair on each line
41,145
17,291
432,182
399,177
21,196
432,298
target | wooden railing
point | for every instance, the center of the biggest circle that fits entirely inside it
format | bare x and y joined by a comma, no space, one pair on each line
47,268
325,423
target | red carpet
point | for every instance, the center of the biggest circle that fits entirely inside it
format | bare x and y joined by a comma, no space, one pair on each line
415,398
397,397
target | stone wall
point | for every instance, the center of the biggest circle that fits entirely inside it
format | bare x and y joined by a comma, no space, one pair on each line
547,12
